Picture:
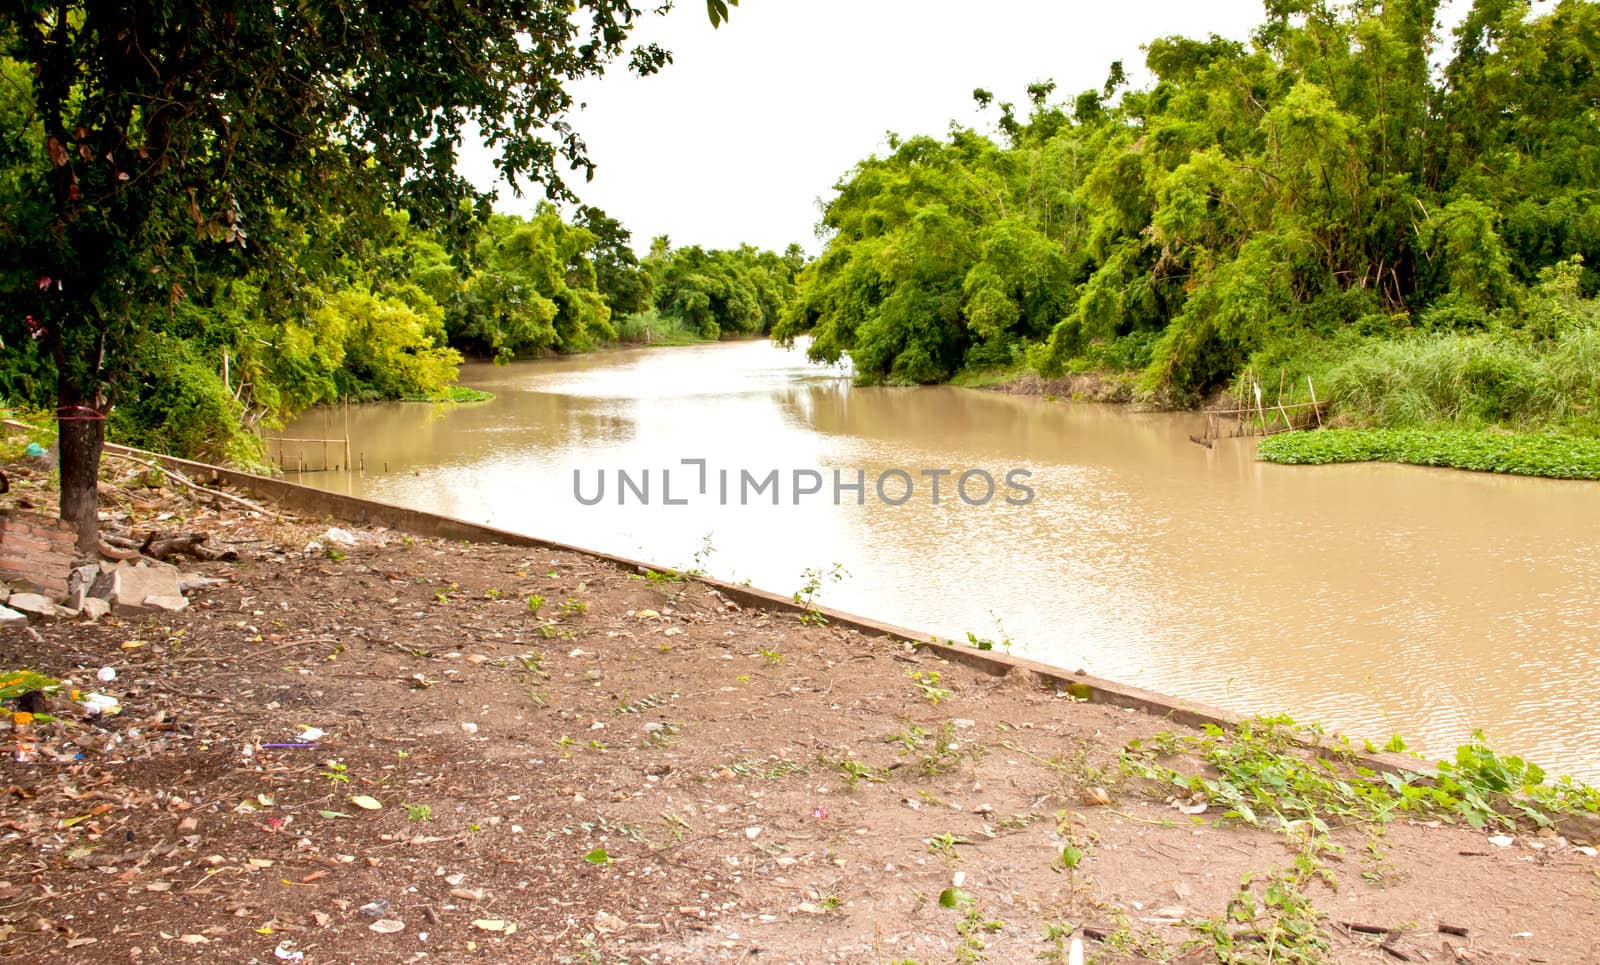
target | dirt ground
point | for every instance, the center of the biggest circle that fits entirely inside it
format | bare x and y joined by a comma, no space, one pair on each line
640,771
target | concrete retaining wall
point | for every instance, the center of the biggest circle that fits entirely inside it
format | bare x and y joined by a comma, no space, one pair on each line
337,506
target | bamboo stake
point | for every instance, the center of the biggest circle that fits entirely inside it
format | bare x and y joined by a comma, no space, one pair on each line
1314,407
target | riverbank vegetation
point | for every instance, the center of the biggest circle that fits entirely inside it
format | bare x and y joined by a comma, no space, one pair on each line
1320,201
393,311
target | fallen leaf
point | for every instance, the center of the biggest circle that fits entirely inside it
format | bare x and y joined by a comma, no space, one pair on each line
194,939
366,802
489,924
467,894
387,926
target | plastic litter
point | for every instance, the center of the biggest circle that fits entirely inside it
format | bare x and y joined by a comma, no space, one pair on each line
341,536
96,704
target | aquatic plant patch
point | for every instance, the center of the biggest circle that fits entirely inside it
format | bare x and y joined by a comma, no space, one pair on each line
1526,454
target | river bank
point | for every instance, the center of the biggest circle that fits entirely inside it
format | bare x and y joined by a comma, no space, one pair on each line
635,766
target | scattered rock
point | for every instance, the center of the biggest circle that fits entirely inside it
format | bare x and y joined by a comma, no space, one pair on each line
131,586
33,604
11,618
376,908
93,608
387,926
168,604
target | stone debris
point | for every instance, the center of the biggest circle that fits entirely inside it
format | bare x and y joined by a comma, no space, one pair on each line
132,586
96,590
33,604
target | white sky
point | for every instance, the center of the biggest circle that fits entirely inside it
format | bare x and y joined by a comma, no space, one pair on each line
754,122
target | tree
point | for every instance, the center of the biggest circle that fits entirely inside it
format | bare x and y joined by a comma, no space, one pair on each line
163,137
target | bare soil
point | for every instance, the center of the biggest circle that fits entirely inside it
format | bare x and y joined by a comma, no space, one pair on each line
641,771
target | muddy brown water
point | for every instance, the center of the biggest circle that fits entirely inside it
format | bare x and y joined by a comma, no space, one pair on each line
1377,599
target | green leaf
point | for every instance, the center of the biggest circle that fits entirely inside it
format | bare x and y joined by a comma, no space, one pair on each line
331,815
598,856
954,898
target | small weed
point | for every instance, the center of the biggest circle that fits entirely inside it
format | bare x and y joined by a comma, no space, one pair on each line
535,604
928,688
491,594
811,588
647,702
573,608
701,556
418,813
664,735
1281,924
854,772
971,928
773,657
1056,936
944,846
935,753
336,774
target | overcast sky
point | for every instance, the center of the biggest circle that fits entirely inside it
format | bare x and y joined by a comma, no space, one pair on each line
754,122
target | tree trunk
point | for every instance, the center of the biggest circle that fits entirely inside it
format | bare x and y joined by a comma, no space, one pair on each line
82,433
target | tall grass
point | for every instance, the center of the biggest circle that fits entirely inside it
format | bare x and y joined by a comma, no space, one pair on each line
650,328
1473,381
1531,366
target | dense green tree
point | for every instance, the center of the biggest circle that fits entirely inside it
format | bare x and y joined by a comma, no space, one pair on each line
533,288
1318,180
151,141
622,281
715,293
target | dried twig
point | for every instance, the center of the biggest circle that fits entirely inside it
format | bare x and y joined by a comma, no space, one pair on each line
183,480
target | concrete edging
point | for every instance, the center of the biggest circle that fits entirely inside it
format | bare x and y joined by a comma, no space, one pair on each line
1082,686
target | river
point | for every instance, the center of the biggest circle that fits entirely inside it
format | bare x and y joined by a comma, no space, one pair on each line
1377,599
